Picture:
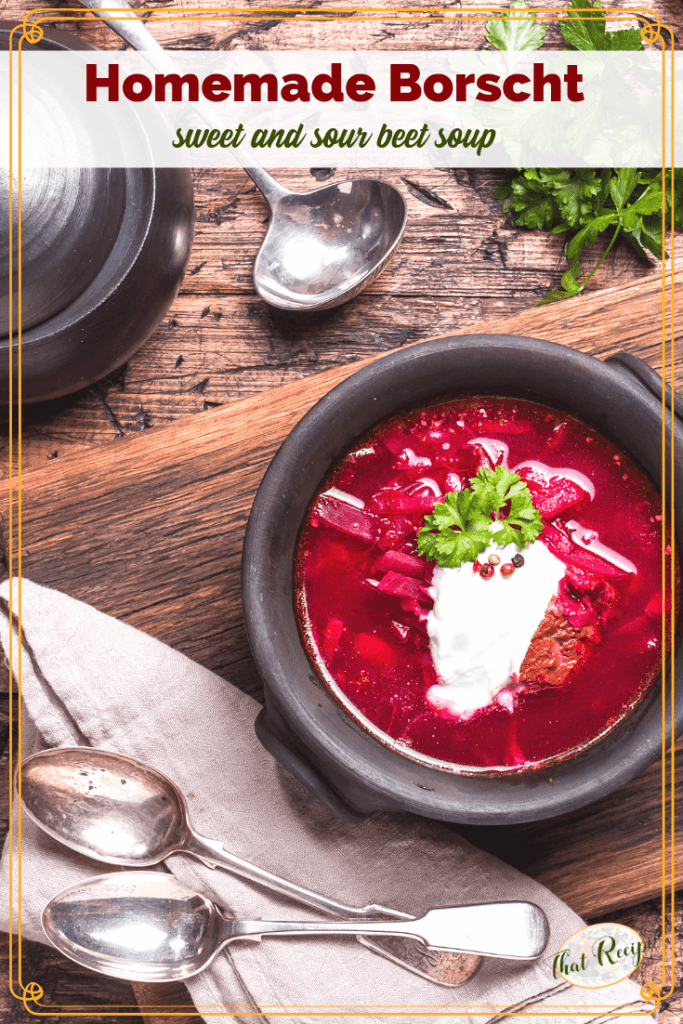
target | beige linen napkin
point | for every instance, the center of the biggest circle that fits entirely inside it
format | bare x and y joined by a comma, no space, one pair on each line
88,679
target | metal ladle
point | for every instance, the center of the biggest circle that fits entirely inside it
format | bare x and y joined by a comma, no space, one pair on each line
147,926
322,247
121,811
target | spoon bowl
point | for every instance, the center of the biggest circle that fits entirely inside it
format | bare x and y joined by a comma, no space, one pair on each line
104,805
141,926
323,247
147,926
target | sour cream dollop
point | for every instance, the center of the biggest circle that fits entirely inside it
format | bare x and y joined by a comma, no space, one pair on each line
480,629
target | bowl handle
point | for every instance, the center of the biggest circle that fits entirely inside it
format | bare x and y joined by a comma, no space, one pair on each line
649,378
303,772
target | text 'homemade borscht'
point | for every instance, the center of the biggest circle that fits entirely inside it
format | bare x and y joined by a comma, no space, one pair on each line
480,584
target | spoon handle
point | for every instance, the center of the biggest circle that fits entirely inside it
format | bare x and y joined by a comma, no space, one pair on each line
255,930
212,853
443,968
516,931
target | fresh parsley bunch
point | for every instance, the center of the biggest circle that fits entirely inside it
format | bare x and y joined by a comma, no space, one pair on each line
584,202
459,528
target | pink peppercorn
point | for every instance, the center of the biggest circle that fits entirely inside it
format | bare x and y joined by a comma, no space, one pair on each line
486,571
507,569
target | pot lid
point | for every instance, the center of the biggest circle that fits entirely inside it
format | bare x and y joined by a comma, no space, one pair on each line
70,215
70,220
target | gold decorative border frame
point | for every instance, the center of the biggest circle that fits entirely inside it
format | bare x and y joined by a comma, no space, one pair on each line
31,993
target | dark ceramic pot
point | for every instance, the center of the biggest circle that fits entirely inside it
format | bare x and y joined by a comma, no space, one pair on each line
104,251
303,725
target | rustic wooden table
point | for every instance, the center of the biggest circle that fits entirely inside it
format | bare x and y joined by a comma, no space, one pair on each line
461,262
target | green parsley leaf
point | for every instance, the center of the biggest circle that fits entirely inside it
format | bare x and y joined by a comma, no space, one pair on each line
625,39
648,235
461,535
585,29
493,488
574,193
678,195
623,185
460,527
654,178
530,202
650,200
588,235
516,29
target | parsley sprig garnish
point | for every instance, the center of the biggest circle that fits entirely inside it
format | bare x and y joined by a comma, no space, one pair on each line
459,528
516,29
585,202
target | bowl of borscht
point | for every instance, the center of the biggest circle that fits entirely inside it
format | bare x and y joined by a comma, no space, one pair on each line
460,582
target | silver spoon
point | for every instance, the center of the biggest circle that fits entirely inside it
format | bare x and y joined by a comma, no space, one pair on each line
147,926
322,247
121,811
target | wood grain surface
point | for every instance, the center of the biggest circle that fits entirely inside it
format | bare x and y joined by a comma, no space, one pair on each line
460,264
150,530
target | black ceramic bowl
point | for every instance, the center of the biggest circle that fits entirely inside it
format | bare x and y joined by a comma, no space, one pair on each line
103,253
303,724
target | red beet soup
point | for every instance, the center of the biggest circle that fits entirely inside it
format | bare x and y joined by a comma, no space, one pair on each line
469,644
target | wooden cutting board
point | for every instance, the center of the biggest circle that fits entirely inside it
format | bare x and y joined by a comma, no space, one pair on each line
149,528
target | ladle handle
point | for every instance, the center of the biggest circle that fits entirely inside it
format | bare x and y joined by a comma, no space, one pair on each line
131,28
271,189
212,853
134,32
